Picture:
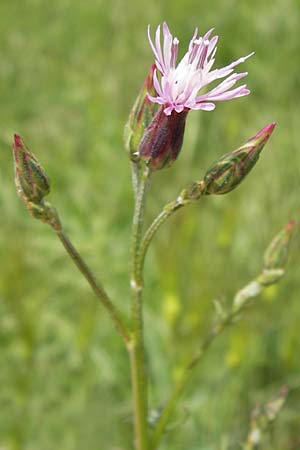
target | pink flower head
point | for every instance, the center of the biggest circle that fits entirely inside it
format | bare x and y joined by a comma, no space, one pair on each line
178,87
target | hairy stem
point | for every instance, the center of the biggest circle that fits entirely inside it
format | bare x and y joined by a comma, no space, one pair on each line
136,347
95,285
135,169
168,211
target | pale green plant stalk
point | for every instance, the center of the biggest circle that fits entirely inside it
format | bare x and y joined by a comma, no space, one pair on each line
167,212
44,212
95,285
224,321
136,345
193,193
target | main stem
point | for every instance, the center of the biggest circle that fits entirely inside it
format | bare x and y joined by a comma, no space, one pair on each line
136,346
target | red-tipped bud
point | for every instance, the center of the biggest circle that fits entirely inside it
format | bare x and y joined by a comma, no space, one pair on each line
33,184
162,140
140,116
31,180
233,167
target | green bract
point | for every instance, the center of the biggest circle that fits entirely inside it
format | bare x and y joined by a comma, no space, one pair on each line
226,173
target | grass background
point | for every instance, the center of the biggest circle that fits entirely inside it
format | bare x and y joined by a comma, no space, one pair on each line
69,73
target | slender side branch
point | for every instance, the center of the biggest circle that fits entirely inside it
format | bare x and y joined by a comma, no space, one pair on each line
95,285
227,319
136,347
275,259
167,212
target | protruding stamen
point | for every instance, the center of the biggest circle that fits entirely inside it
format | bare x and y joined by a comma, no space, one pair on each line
203,55
174,52
194,49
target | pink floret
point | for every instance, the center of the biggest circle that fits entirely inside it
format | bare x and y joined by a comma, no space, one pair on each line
179,88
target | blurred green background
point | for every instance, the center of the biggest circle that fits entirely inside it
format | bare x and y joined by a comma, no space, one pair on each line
69,73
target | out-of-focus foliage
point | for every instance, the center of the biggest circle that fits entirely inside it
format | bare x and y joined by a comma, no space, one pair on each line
69,73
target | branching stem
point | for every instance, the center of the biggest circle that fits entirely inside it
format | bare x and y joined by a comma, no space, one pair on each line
227,320
167,212
95,285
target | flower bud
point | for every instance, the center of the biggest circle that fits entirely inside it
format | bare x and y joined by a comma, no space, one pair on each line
270,276
244,295
233,167
140,116
31,180
276,254
162,139
274,406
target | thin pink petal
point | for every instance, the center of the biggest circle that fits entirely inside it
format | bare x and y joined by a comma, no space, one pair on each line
168,38
193,39
204,106
212,44
158,47
224,71
179,108
237,92
168,110
207,34
156,84
158,100
151,43
224,86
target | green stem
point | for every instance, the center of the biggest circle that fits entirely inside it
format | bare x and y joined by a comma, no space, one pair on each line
136,347
135,169
168,211
95,285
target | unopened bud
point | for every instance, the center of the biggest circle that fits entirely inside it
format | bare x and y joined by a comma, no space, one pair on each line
140,116
31,180
275,405
244,295
162,139
270,276
233,167
33,184
276,254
